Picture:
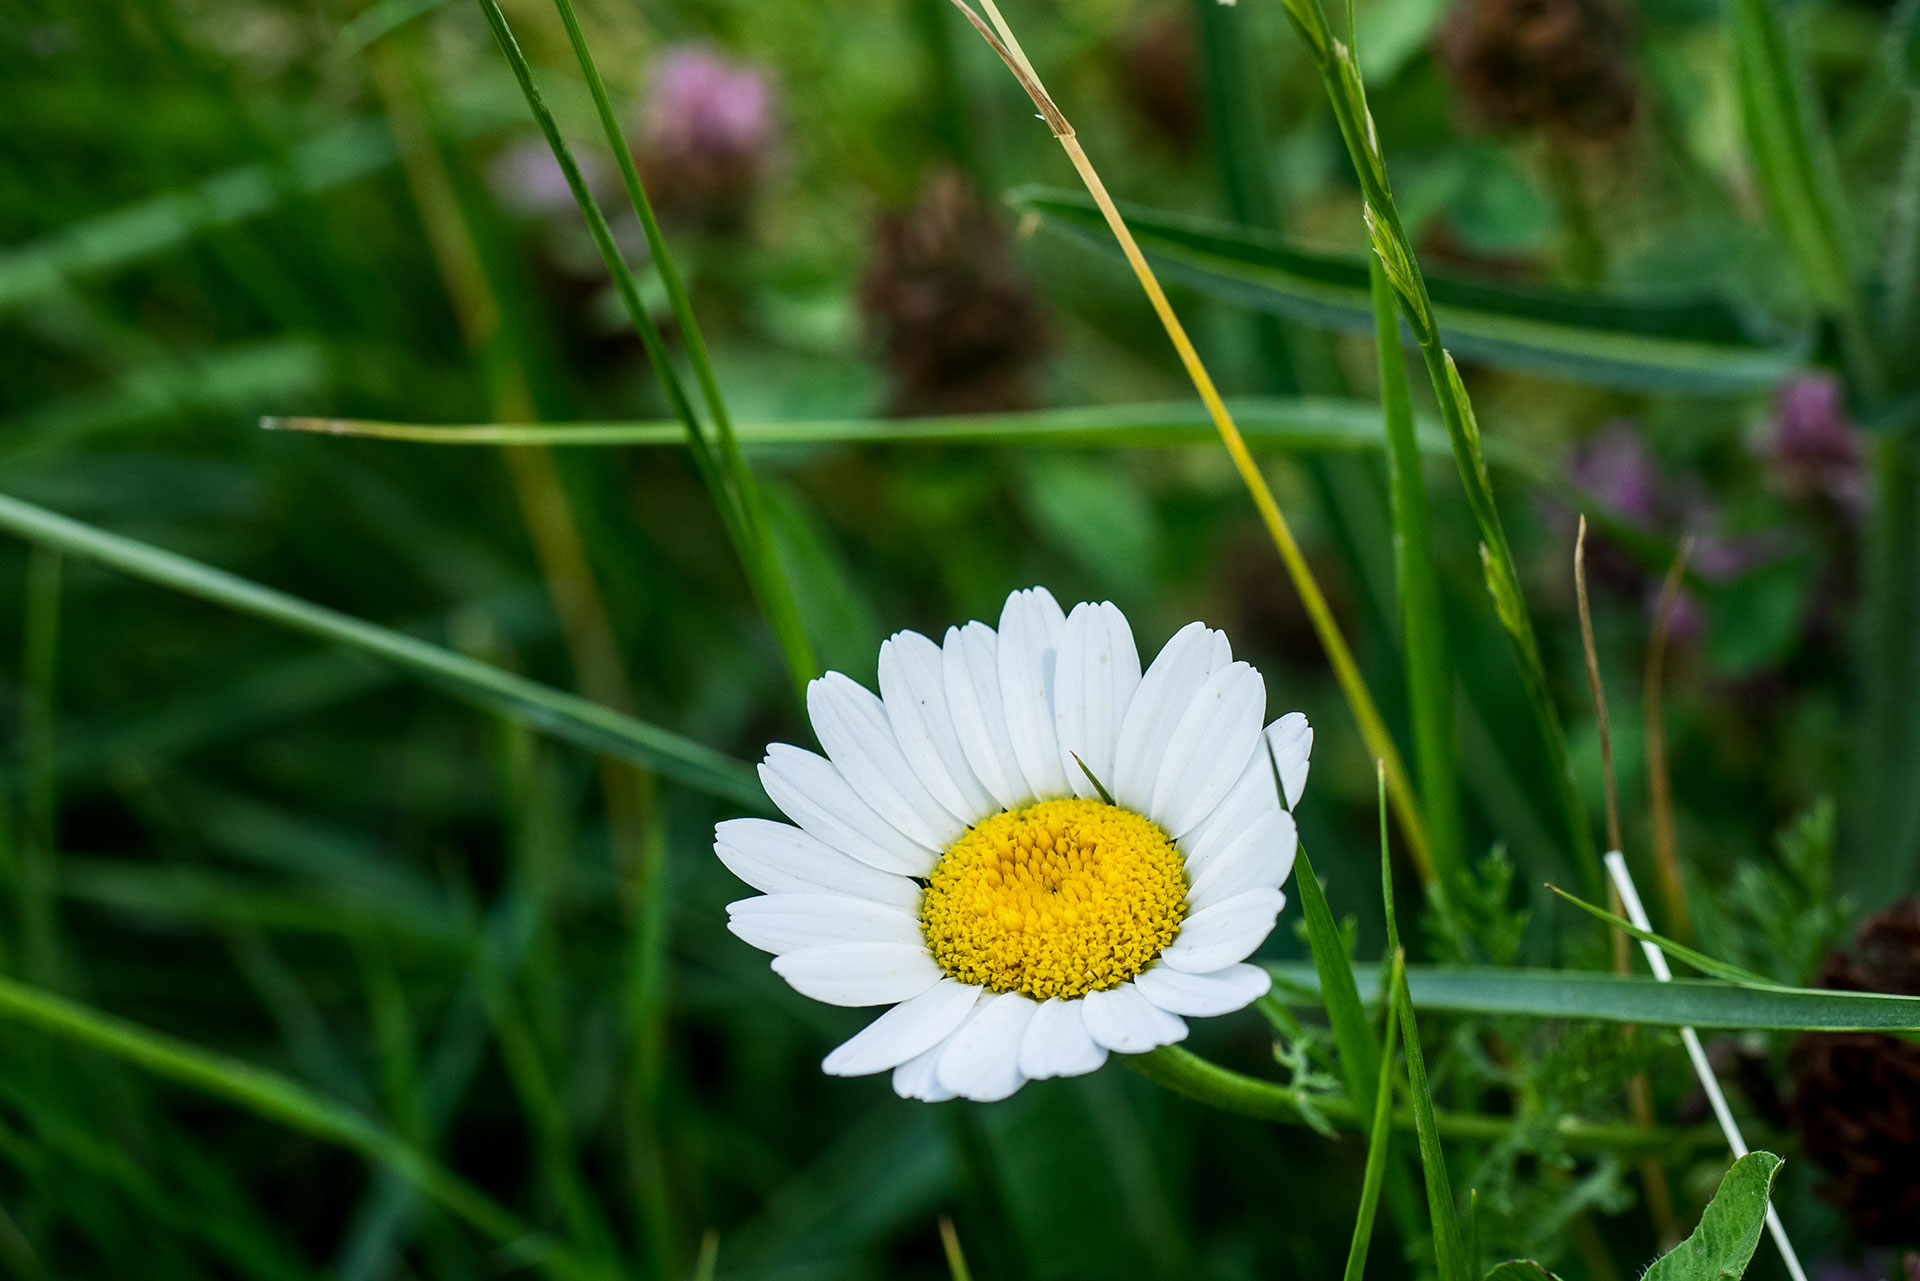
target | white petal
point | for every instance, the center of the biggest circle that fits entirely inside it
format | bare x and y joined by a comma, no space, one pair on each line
1204,995
781,923
919,1076
1292,740
1259,859
1030,627
906,1031
1057,1043
859,973
1252,801
1209,749
914,688
970,666
1124,1020
1163,696
811,792
853,727
1218,936
778,858
982,1061
1094,678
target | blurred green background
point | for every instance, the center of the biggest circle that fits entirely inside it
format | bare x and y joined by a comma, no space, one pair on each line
211,212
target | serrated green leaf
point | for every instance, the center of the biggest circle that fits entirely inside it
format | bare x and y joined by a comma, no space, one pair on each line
1694,344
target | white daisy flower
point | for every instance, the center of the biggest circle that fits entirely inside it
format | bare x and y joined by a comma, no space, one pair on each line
953,860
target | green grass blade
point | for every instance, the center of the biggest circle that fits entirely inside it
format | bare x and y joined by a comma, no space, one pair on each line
1449,1254
738,509
563,715
148,228
1697,345
1776,114
39,750
1379,1143
1425,653
1346,1012
1698,960
1614,998
281,1100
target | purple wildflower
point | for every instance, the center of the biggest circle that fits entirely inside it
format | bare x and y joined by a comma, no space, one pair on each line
707,130
1814,452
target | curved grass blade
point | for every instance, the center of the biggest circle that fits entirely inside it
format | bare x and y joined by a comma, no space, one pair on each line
279,1099
1614,998
1698,960
566,716
1698,345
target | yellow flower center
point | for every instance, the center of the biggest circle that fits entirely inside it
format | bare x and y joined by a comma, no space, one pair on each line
1059,898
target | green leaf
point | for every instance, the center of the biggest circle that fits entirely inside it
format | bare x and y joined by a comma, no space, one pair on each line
1722,1246
1696,344
1614,998
567,716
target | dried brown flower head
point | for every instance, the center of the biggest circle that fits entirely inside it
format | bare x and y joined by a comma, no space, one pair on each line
961,327
1857,1095
1561,65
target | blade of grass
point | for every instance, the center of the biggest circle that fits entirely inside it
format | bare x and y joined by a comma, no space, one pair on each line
1449,1255
1341,72
738,508
1379,1142
1576,994
1423,630
40,858
1359,700
564,715
279,1099
1698,960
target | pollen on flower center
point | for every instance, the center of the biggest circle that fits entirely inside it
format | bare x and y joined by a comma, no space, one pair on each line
1059,898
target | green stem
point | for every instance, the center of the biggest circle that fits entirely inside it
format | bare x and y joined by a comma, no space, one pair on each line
1347,95
1225,1090
738,507
1892,642
39,921
1426,652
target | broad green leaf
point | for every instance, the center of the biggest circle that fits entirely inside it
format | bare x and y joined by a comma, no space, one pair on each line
568,716
1614,998
1722,1246
1698,345
1519,1270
